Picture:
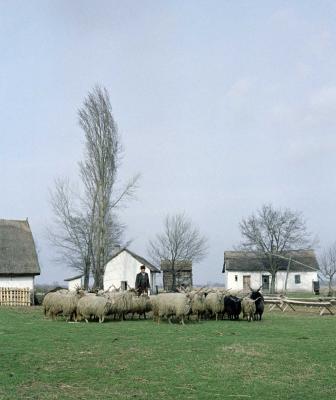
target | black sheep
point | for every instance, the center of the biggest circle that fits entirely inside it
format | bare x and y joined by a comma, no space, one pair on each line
232,306
259,302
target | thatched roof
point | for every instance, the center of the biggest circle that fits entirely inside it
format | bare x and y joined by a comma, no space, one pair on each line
179,265
141,260
251,262
17,249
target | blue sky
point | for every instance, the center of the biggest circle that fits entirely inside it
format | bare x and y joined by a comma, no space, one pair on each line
221,105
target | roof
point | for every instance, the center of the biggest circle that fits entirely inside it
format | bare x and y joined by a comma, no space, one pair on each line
141,260
73,278
179,265
249,261
17,249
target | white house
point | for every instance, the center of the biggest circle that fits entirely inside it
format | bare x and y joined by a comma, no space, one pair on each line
243,270
123,267
75,282
18,258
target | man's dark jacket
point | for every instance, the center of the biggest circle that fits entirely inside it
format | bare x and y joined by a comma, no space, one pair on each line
142,281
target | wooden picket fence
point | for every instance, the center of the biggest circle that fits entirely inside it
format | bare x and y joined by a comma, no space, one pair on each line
15,297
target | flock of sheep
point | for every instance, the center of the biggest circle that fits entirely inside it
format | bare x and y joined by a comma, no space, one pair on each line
200,303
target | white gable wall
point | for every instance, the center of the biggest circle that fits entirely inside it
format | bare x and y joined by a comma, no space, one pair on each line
19,282
124,267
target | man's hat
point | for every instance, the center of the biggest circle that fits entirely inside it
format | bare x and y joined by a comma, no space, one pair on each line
142,267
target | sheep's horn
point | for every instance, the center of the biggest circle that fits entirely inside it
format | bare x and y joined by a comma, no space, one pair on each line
255,299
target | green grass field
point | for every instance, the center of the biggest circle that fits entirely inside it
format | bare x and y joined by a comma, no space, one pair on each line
286,356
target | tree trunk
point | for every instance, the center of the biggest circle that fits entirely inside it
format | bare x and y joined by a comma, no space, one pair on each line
86,273
287,273
273,274
330,291
174,278
98,279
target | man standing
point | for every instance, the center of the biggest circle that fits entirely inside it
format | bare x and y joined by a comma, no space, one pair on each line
142,281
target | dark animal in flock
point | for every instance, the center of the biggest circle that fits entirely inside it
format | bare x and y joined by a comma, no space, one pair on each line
259,302
232,306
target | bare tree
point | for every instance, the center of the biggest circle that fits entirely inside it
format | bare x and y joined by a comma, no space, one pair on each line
89,231
328,266
180,241
272,232
71,232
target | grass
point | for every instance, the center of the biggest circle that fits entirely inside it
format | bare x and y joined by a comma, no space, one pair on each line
286,356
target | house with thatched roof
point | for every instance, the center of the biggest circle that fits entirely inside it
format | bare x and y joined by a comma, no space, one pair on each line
243,269
121,270
18,258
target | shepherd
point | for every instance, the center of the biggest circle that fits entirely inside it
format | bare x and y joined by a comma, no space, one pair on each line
142,281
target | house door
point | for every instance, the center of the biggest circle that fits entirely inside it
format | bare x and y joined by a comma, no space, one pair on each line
246,283
265,283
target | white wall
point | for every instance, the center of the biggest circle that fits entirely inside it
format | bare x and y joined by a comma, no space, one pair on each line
306,283
234,285
75,284
124,267
19,282
306,278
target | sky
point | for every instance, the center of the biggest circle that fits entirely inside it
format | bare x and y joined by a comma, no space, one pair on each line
222,106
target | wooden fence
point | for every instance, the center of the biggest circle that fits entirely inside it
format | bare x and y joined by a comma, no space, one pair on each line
283,303
15,297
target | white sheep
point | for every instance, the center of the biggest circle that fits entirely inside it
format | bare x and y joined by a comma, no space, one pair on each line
248,308
93,306
214,302
141,305
61,302
47,302
171,305
198,304
121,303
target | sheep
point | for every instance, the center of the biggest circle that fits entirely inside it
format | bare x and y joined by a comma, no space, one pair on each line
121,303
48,300
232,307
52,302
93,306
249,308
62,302
214,302
141,304
169,305
259,302
198,305
128,302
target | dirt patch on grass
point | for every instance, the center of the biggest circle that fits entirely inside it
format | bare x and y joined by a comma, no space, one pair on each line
243,350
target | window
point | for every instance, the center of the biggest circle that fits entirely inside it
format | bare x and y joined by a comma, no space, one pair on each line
123,285
236,278
297,278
